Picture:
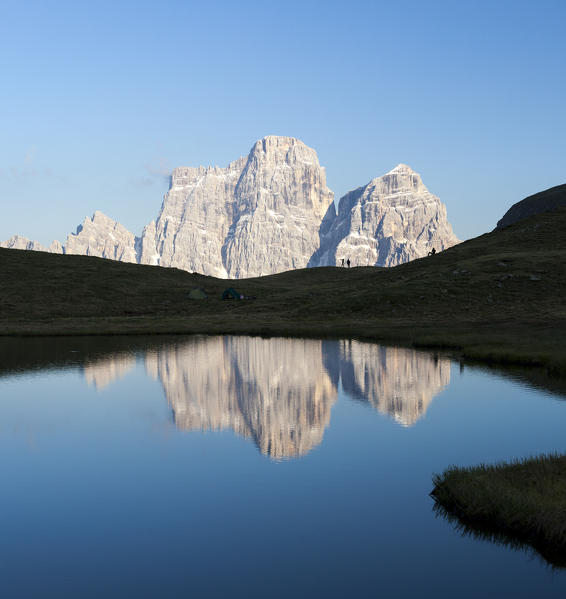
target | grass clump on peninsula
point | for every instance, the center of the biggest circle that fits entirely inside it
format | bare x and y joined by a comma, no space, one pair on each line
522,503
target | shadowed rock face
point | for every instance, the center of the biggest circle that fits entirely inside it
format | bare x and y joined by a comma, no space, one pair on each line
545,201
392,219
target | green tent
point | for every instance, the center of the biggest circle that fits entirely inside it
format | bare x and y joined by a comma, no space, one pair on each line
197,293
230,293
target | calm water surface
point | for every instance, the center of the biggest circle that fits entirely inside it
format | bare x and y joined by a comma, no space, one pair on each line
235,466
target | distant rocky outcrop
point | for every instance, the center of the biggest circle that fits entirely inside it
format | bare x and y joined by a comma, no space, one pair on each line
103,237
544,201
392,219
271,212
17,242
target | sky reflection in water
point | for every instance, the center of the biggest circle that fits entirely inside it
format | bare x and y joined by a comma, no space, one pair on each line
109,487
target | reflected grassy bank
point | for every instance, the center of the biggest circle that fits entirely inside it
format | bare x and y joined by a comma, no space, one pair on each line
520,504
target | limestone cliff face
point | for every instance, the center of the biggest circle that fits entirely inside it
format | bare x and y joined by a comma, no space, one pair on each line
17,242
56,247
103,237
257,216
275,391
392,219
281,198
194,221
271,212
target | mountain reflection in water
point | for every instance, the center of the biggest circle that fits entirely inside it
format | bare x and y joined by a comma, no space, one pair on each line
103,373
280,392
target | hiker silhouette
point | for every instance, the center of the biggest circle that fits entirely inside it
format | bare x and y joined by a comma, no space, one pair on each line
348,262
432,252
342,261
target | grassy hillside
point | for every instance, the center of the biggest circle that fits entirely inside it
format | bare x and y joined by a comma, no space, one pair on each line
498,297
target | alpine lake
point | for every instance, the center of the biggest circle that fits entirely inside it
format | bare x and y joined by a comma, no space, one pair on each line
256,467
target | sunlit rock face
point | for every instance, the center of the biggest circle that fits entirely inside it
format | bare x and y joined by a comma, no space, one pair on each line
269,212
101,373
194,221
103,237
392,219
17,242
396,381
281,198
275,391
259,215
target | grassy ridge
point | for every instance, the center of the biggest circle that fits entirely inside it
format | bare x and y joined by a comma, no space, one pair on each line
518,503
498,297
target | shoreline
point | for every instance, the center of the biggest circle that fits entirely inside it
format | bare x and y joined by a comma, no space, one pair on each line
518,503
498,348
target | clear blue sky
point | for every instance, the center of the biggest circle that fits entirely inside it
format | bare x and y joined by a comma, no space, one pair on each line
100,99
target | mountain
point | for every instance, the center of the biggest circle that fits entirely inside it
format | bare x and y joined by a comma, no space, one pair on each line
103,237
392,219
17,242
280,392
257,216
271,212
544,201
97,236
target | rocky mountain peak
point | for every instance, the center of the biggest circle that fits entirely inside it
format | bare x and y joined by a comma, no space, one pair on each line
271,211
17,242
401,179
287,150
401,169
220,221
392,219
103,237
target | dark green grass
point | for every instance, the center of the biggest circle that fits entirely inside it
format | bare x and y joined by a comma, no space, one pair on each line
520,503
